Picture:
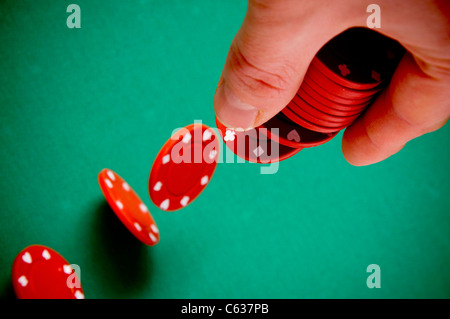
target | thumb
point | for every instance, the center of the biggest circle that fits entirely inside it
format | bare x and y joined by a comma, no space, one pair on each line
269,57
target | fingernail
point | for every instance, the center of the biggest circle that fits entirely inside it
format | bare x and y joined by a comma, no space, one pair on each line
231,111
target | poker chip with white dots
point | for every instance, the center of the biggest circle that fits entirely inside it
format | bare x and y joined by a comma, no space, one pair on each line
128,207
183,167
39,272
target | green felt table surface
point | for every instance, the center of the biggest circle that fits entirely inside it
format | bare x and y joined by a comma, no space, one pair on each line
108,95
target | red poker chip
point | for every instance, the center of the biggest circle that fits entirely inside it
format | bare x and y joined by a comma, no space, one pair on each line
340,79
337,89
362,56
335,98
255,146
298,105
324,108
293,135
350,105
39,272
315,120
128,207
184,167
311,126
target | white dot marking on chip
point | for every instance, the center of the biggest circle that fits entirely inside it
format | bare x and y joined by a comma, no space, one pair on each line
258,151
152,237
46,254
154,228
27,258
79,295
143,208
67,269
157,186
212,154
204,180
125,186
187,138
184,201
166,159
23,281
111,175
207,135
108,183
165,204
229,135
119,204
137,226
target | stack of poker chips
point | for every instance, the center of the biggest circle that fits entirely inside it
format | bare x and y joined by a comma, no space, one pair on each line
343,79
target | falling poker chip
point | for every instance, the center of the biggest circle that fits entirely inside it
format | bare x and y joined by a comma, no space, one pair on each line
184,167
39,272
128,207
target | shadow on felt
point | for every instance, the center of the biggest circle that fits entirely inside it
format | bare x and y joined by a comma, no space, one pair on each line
121,263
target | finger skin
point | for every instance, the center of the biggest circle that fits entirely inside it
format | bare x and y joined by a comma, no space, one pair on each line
414,104
417,100
270,54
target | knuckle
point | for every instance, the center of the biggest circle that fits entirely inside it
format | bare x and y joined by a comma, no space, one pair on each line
255,79
261,4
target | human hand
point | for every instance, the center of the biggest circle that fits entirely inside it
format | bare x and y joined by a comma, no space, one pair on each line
278,39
